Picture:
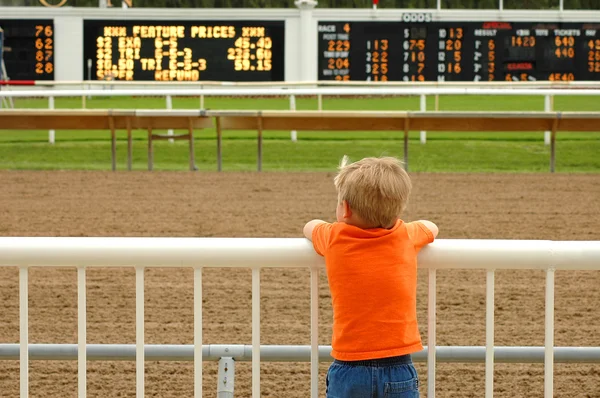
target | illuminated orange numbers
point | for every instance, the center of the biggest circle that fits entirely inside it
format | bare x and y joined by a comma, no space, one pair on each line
561,77
338,45
523,41
44,45
566,41
594,56
564,47
565,52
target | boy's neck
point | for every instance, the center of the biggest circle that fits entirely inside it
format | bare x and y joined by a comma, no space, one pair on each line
358,222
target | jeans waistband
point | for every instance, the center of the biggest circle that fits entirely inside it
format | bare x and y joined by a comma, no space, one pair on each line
390,361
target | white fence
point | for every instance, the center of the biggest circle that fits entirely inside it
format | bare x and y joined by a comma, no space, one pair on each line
258,253
547,91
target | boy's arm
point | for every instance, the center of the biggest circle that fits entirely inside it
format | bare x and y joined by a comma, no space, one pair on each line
309,228
431,227
421,233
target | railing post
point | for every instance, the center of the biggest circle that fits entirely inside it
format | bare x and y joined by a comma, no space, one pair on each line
150,150
198,332
129,145
219,138
255,332
169,107
226,378
81,333
260,142
24,331
553,144
51,133
293,133
431,320
423,108
547,108
113,143
139,332
314,332
406,127
489,335
549,338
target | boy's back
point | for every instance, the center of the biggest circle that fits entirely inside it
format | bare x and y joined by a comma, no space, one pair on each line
371,259
373,281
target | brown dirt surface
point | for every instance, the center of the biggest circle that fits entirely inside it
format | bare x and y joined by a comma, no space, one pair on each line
473,206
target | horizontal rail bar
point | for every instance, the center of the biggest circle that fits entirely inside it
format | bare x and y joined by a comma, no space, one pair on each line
82,119
284,253
288,353
338,91
317,83
196,113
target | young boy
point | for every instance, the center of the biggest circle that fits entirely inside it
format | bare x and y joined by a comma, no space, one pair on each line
371,261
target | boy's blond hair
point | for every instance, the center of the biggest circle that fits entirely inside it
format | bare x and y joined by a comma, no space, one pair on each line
377,189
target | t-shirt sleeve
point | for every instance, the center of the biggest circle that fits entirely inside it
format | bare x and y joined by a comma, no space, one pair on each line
321,236
419,234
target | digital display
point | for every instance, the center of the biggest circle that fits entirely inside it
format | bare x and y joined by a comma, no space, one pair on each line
185,50
453,51
28,49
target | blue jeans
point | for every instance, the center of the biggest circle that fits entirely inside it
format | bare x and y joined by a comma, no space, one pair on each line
394,377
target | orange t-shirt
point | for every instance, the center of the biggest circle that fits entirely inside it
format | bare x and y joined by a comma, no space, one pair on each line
372,276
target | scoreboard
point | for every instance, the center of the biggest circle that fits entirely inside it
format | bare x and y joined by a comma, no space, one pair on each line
410,49
28,48
185,50
458,51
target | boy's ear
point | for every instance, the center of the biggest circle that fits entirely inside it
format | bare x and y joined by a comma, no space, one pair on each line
347,209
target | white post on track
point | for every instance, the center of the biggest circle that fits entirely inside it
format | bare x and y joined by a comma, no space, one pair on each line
255,332
81,333
169,100
501,5
24,331
197,332
294,133
139,332
439,4
549,343
489,335
561,5
431,320
51,133
547,108
314,332
319,102
423,108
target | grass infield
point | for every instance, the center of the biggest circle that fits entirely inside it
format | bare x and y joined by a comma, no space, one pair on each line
315,151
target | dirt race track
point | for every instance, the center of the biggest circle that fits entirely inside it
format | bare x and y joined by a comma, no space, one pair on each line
541,206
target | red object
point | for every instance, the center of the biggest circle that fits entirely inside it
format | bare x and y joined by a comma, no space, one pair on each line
17,82
375,2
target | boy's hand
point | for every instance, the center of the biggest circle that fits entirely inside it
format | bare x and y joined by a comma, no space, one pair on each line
309,227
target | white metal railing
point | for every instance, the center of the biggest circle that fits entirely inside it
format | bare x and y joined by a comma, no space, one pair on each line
291,90
286,92
257,253
88,84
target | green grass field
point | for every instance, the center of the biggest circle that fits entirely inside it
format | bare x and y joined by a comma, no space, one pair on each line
315,151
